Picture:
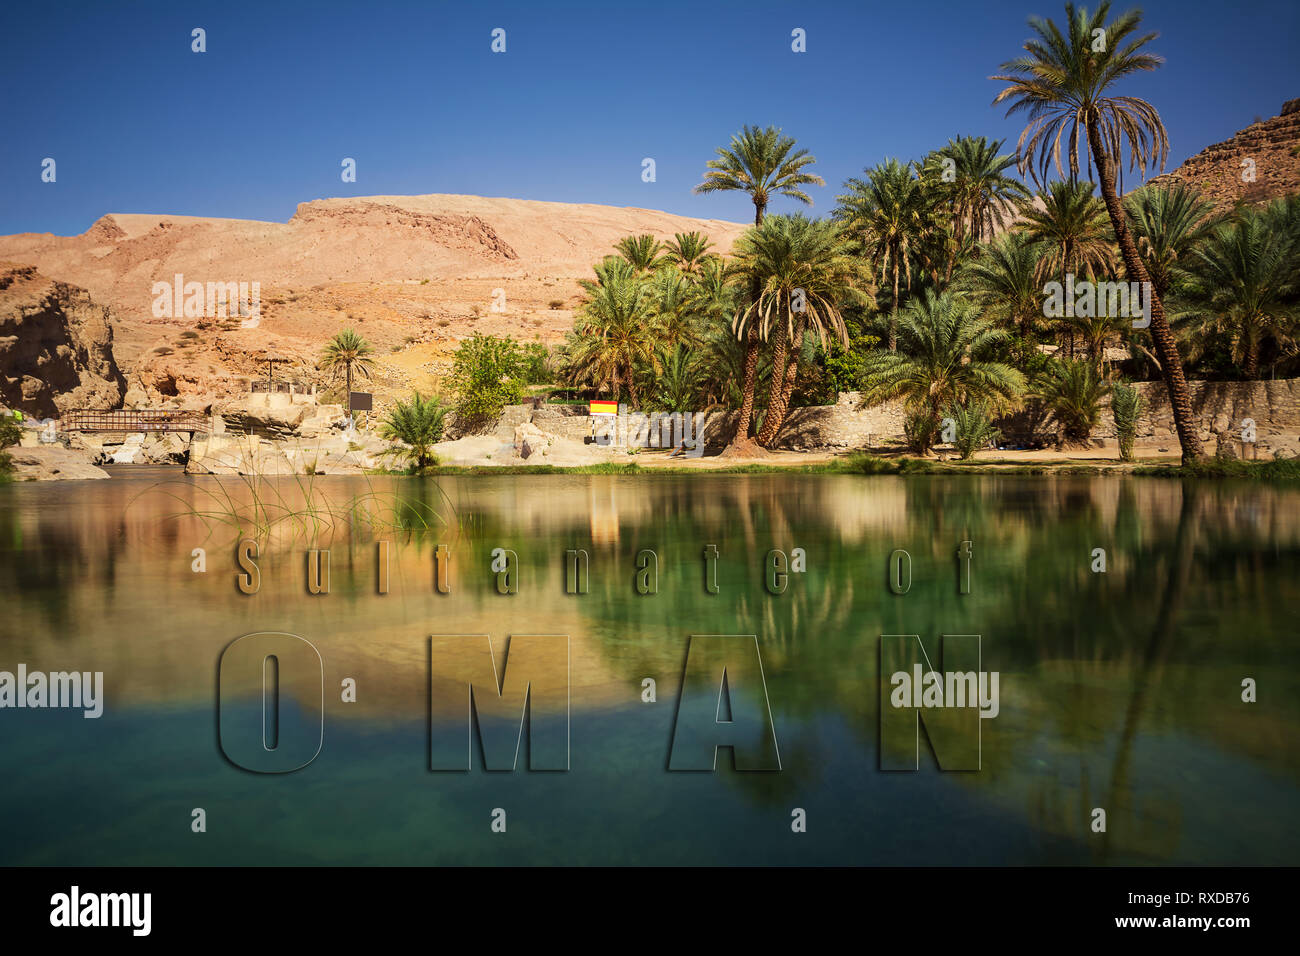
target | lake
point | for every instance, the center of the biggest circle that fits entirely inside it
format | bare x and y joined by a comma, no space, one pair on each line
1119,690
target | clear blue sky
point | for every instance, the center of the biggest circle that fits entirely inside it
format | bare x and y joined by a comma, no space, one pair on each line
262,120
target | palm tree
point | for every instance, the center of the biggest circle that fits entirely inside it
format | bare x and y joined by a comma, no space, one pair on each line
883,213
763,163
674,308
940,361
614,334
1168,222
418,424
1007,276
1243,282
1071,393
641,252
675,389
346,352
1063,83
805,277
1071,227
1125,408
689,251
971,173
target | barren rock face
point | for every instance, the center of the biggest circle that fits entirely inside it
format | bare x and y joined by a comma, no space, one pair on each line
56,346
414,275
1257,165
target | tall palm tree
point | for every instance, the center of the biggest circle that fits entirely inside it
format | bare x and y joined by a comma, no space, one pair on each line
676,388
1242,281
1007,276
1168,222
763,163
1063,83
883,213
347,352
689,251
805,277
614,333
941,359
641,252
1071,227
674,306
980,193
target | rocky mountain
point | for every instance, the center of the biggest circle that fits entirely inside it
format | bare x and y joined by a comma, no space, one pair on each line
1259,164
413,274
56,346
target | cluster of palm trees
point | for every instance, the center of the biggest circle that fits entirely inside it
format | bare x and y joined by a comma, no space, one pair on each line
939,266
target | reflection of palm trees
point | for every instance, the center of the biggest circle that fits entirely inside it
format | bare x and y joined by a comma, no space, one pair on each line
1157,645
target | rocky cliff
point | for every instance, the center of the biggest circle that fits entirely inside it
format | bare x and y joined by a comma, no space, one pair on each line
1259,164
56,346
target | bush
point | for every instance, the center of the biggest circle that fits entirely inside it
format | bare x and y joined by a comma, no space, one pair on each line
921,429
973,428
1071,393
419,424
1125,407
11,433
535,363
487,374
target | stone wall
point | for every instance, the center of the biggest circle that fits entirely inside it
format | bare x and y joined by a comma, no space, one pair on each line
846,424
1220,409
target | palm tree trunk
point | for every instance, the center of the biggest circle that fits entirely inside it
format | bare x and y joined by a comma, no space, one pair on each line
1251,366
751,356
1171,364
782,385
893,316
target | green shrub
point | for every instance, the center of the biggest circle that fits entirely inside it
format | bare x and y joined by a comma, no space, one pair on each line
1071,393
1125,407
921,429
535,363
487,375
419,424
973,428
11,433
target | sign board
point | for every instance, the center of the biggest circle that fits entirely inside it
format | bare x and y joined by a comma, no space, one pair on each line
360,401
602,408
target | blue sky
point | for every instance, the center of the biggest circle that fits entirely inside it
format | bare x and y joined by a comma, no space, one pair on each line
260,122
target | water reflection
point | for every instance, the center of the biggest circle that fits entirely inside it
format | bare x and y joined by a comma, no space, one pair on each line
1120,690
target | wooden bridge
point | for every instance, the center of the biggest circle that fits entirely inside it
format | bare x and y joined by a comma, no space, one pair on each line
133,420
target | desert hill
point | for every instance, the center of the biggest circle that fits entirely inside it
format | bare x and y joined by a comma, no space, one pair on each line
414,274
1274,147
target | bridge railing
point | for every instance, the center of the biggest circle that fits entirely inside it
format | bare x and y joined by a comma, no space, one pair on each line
132,420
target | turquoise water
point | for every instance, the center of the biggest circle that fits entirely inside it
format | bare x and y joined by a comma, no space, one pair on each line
1120,690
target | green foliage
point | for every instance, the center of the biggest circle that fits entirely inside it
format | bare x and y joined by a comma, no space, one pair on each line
487,375
535,363
1242,283
1062,85
844,366
921,429
1125,407
1071,394
973,428
764,163
347,353
419,424
11,432
943,359
675,389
